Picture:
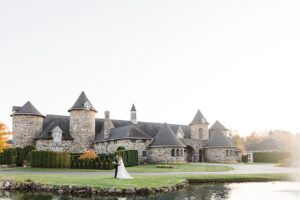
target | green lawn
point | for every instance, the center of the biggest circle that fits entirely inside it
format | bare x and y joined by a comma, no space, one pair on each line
186,167
106,181
98,181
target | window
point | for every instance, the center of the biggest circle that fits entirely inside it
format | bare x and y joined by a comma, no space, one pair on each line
227,152
173,152
144,141
133,141
144,153
236,153
115,141
177,152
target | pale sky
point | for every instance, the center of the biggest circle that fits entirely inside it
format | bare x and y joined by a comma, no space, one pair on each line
237,61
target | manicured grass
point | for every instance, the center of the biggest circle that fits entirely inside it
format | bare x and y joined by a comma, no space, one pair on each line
98,181
186,167
106,181
221,178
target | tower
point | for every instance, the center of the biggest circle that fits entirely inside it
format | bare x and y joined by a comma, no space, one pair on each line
133,118
27,124
82,123
199,127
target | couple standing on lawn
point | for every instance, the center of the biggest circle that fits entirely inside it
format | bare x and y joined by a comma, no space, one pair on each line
120,170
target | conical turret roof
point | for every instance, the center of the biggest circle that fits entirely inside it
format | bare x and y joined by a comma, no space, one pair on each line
218,126
219,139
133,108
199,119
80,103
166,138
27,109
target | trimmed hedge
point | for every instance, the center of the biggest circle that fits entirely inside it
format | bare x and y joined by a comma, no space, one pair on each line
272,157
50,159
130,157
244,158
105,161
8,157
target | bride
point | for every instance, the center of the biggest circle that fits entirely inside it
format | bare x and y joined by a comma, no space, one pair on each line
122,172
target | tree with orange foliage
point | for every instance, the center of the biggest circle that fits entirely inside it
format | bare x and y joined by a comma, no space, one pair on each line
88,154
4,132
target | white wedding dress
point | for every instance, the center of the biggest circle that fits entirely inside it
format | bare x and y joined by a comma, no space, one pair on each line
122,172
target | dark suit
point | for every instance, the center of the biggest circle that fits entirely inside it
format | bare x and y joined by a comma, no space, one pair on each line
116,163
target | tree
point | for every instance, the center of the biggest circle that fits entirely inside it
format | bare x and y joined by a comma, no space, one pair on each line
4,133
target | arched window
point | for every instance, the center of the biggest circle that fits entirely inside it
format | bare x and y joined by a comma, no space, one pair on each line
173,152
177,152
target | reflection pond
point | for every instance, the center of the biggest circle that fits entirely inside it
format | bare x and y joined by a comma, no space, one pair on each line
231,191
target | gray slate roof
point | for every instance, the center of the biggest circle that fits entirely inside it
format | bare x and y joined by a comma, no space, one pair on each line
26,109
218,126
166,137
219,139
50,122
199,119
79,104
133,108
128,131
268,144
149,128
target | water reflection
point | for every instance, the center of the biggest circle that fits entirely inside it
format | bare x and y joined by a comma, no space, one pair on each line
237,191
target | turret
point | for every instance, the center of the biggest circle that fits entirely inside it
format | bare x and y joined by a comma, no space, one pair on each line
133,118
199,127
82,123
27,124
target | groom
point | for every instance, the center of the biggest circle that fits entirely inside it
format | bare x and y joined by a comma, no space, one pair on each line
116,164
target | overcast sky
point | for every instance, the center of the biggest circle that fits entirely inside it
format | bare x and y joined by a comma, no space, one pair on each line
237,61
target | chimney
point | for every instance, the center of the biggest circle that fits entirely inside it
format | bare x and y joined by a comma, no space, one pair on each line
133,118
107,124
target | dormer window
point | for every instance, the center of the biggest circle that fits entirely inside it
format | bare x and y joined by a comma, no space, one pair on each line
87,105
57,134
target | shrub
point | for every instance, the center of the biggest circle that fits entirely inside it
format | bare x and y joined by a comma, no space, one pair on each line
25,154
50,159
130,157
272,157
88,154
7,157
164,166
120,148
245,158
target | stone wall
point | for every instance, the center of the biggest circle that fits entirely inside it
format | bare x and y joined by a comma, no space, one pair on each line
219,155
25,129
195,133
111,146
82,129
46,145
163,155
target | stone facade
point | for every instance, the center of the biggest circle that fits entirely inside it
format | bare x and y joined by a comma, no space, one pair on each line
199,131
82,129
221,155
133,144
25,129
164,155
49,145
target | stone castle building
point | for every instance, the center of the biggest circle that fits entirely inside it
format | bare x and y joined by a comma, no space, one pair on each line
155,142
